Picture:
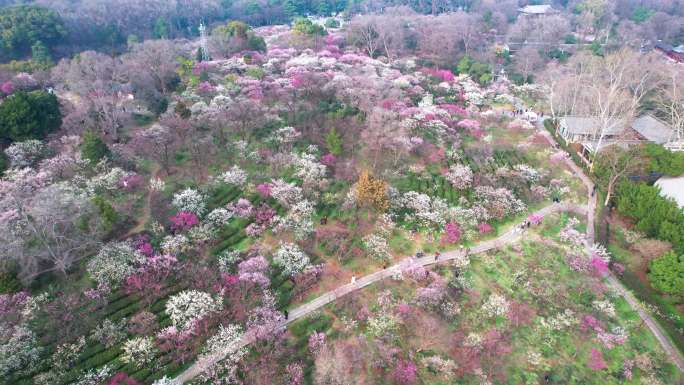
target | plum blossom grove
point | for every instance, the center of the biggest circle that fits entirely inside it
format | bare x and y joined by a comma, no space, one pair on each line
271,177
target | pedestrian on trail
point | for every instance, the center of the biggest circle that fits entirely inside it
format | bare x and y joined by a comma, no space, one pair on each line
353,280
287,314
436,255
528,224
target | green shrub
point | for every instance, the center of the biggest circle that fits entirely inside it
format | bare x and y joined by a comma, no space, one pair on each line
109,215
666,273
654,215
332,23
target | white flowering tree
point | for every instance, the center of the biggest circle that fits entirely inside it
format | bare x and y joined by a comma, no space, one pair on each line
235,177
139,351
19,349
190,305
298,220
287,194
377,247
460,176
219,217
39,230
113,263
175,244
425,211
310,171
26,153
190,200
291,258
228,339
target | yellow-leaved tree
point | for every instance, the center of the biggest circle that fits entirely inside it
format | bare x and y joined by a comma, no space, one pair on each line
372,192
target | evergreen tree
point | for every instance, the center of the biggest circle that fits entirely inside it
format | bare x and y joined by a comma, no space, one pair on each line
161,29
666,273
93,147
41,55
22,27
29,115
334,142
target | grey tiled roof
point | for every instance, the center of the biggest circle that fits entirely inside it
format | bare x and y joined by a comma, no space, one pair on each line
652,129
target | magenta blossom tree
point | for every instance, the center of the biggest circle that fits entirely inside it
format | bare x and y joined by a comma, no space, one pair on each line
405,372
452,233
600,266
328,159
7,88
184,220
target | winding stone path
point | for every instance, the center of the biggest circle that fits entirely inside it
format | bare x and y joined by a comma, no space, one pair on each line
509,237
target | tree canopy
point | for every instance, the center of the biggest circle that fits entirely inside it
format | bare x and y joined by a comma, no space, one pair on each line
663,161
29,115
22,27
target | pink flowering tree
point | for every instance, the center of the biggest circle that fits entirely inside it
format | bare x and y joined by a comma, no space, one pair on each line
596,361
535,219
264,190
484,228
150,279
452,233
132,182
183,221
295,373
242,208
254,270
265,322
316,342
405,372
7,88
205,88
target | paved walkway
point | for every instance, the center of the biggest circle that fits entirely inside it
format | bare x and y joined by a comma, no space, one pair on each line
509,237
662,337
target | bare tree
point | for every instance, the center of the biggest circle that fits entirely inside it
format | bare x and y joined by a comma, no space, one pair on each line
152,65
615,87
46,227
670,101
362,32
158,143
613,164
608,89
528,61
